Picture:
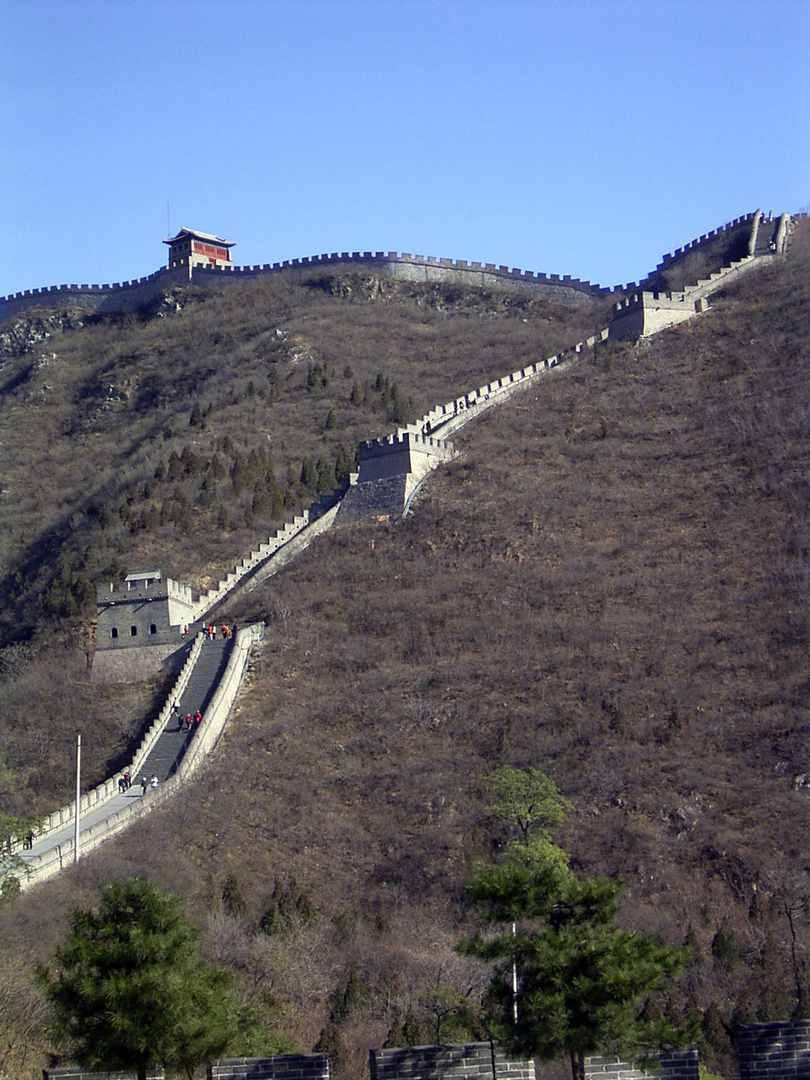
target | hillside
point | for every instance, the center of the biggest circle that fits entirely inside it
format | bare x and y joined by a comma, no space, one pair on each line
610,583
175,439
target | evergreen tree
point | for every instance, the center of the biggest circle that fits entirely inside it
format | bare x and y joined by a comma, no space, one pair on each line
130,990
232,900
344,464
12,866
583,981
309,475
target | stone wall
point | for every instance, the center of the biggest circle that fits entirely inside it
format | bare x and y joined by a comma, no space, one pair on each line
645,313
775,1051
420,268
672,1065
203,742
471,1060
428,436
130,295
105,299
713,249
152,611
75,1072
396,455
139,664
281,1067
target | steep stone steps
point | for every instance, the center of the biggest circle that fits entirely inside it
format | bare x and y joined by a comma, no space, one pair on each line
172,743
765,234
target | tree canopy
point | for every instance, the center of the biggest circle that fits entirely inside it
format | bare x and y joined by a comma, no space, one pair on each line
526,798
582,980
130,990
12,866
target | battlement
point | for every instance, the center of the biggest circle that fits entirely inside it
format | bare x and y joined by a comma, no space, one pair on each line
124,296
129,295
402,440
117,298
145,608
145,585
706,238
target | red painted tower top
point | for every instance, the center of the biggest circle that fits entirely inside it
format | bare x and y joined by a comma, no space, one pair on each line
192,248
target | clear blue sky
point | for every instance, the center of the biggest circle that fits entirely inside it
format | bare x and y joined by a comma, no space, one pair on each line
582,137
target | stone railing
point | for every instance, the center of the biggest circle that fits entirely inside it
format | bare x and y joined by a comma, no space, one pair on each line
670,1065
109,788
204,739
774,1051
282,1067
459,1062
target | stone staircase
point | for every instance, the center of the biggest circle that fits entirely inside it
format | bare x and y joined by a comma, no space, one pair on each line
209,683
168,751
766,235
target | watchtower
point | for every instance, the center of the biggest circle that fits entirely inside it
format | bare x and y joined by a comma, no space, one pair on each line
192,248
144,609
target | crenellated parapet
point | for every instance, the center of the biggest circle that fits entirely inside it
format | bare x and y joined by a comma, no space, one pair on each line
118,298
143,609
724,232
128,296
645,312
407,453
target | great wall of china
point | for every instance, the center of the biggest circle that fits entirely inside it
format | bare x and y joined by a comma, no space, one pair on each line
391,470
128,296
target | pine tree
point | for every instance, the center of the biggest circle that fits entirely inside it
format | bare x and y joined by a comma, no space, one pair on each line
582,979
130,990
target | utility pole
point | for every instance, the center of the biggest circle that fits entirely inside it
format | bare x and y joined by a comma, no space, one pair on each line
514,980
78,796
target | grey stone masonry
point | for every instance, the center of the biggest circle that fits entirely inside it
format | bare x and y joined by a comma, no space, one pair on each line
281,1067
144,609
75,1072
458,1062
777,1050
672,1065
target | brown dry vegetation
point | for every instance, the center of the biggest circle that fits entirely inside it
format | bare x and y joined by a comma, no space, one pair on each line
178,439
610,583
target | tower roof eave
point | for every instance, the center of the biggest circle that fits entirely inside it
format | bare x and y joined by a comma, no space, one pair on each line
195,234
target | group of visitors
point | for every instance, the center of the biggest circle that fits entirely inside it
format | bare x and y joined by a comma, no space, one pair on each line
124,782
189,722
210,631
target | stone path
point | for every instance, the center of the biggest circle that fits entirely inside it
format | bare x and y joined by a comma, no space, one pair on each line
161,762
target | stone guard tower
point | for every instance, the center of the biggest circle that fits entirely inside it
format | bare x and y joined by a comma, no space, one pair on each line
144,609
191,248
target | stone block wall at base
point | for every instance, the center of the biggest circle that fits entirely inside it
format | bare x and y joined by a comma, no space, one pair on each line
775,1051
672,1065
281,1067
138,665
473,1060
74,1072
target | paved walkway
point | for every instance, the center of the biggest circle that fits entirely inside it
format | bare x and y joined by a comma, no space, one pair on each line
163,759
